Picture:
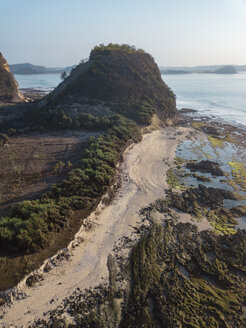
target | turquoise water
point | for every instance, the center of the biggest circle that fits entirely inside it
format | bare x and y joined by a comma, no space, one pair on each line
43,82
221,96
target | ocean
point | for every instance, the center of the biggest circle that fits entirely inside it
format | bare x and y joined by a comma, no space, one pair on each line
42,82
219,96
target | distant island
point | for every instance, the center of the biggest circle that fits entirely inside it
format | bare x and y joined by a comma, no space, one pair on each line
226,70
28,69
213,69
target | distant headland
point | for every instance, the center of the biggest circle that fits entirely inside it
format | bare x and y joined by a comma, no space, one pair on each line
213,69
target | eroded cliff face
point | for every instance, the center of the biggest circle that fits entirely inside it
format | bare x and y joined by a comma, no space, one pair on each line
9,91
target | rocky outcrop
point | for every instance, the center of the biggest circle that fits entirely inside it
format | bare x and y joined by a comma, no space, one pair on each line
239,210
121,78
205,167
9,91
202,196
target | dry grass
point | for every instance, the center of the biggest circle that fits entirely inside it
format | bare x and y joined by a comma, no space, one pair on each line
30,164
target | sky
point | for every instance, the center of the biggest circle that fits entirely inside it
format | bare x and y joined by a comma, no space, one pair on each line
175,32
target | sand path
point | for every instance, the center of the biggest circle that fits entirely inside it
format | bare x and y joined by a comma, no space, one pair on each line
143,181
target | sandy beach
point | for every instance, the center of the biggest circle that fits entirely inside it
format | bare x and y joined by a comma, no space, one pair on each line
143,175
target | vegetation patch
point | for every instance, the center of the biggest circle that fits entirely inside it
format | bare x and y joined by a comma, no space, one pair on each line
216,142
198,125
173,179
238,173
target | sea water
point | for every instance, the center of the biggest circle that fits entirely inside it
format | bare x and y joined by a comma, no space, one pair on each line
221,96
41,82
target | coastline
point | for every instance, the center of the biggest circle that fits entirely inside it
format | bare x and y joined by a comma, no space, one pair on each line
84,264
140,186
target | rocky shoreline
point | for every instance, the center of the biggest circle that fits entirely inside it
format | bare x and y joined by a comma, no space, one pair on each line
186,266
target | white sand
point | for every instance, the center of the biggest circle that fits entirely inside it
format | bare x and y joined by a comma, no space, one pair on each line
143,181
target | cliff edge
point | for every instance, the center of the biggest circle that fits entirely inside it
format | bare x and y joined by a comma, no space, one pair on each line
9,91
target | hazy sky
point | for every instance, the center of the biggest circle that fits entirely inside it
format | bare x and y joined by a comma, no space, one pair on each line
175,32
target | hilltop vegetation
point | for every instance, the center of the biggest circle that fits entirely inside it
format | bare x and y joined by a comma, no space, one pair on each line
123,78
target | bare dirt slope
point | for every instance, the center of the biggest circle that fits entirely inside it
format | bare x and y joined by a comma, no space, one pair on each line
30,164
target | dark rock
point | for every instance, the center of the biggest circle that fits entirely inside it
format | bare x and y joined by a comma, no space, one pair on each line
210,130
206,166
2,301
203,178
239,210
9,91
202,196
30,281
187,110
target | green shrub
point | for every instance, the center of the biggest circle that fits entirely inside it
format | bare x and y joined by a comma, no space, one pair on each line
3,139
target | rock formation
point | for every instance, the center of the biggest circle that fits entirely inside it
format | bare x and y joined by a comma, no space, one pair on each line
9,91
125,79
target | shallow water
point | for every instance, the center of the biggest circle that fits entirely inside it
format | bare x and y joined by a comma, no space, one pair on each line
222,96
202,150
43,82
241,223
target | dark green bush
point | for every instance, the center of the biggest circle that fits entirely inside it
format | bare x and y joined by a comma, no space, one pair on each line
3,139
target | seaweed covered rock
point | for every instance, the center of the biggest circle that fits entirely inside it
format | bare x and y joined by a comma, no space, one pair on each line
239,210
182,278
124,79
205,166
9,91
201,196
175,277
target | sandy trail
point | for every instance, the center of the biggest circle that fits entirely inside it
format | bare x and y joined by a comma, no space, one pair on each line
143,181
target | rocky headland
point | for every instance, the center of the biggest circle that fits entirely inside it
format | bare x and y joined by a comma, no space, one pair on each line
9,91
162,243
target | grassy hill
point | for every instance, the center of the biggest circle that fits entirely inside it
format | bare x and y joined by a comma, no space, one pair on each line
121,77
